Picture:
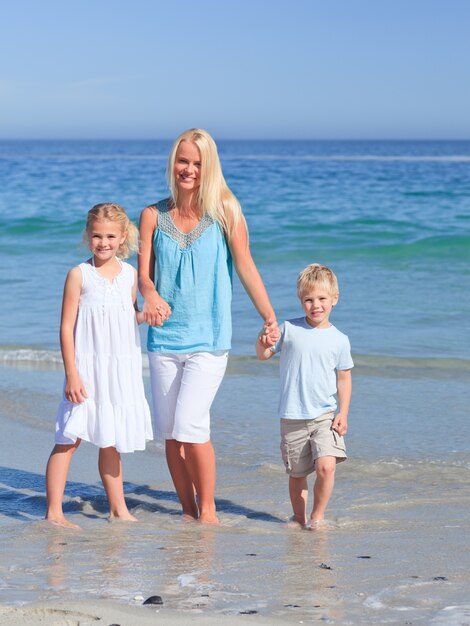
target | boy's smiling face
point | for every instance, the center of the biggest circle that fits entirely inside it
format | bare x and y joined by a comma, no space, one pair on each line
317,303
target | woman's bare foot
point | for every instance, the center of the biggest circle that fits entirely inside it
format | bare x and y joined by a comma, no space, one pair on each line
123,517
209,519
62,522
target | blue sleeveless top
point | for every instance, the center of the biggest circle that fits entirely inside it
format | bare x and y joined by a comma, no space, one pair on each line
193,273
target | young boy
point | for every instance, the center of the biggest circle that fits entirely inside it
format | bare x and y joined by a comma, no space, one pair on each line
315,367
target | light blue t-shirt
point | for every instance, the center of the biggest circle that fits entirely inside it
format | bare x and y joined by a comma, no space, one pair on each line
309,358
193,273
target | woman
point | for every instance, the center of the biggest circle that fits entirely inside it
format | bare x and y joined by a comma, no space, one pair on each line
188,242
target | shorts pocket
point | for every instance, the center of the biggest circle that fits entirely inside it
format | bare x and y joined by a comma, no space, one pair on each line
285,453
338,441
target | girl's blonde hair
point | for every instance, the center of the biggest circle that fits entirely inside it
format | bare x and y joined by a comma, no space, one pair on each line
316,274
115,213
214,196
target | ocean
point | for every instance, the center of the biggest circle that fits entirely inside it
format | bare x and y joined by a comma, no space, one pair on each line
392,219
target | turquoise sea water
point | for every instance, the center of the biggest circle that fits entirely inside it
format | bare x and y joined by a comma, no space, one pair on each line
393,220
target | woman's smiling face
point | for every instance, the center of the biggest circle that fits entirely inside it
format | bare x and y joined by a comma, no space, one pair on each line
187,168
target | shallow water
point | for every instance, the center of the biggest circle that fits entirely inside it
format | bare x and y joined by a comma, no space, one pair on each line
405,504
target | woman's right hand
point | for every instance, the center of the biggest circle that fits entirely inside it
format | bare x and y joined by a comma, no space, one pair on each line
156,310
75,389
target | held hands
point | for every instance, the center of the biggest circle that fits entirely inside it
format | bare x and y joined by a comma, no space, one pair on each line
269,334
340,424
75,390
155,310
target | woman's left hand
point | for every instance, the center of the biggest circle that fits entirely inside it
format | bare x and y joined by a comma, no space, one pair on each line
270,333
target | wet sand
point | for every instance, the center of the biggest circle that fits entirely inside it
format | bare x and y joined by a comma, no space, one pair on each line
396,549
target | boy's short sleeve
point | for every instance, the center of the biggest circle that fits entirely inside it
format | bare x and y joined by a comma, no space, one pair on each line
345,361
278,346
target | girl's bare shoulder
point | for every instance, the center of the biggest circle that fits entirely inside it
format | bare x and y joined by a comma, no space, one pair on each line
75,274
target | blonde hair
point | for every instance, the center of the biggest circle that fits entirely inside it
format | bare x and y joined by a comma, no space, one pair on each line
115,213
214,195
316,274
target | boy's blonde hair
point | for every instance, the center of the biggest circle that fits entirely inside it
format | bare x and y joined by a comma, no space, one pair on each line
315,274
115,213
214,196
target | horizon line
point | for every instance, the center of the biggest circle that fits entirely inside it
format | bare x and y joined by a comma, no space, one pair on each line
236,139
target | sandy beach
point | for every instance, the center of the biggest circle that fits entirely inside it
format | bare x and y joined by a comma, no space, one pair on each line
395,551
90,613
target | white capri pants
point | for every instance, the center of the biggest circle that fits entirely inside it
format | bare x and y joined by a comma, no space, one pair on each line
183,389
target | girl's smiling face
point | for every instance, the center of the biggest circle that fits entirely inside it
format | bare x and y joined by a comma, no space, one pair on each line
317,304
187,168
104,239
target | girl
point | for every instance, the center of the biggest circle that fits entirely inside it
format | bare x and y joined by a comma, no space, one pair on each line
188,242
103,400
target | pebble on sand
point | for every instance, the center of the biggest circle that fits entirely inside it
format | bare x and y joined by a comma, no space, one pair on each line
154,600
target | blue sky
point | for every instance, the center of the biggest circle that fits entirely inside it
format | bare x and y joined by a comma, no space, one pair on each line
240,68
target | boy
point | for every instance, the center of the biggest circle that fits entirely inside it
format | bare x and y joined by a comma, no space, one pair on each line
315,367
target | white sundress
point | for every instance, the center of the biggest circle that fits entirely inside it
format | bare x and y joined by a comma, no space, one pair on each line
109,361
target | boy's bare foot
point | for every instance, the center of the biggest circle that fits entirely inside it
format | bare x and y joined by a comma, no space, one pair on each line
62,522
293,522
318,524
124,517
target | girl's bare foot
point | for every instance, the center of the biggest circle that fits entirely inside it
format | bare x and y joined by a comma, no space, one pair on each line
293,522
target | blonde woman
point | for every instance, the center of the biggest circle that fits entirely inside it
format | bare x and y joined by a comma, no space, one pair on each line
188,244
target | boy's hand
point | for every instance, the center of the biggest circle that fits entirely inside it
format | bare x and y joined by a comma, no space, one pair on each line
340,424
269,334
267,337
267,340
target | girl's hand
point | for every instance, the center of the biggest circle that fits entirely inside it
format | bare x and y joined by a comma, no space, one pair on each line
75,390
155,310
139,316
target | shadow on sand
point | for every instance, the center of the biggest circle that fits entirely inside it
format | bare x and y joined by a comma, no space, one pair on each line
23,497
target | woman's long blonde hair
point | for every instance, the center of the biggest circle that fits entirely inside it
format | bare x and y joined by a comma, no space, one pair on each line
214,195
115,213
